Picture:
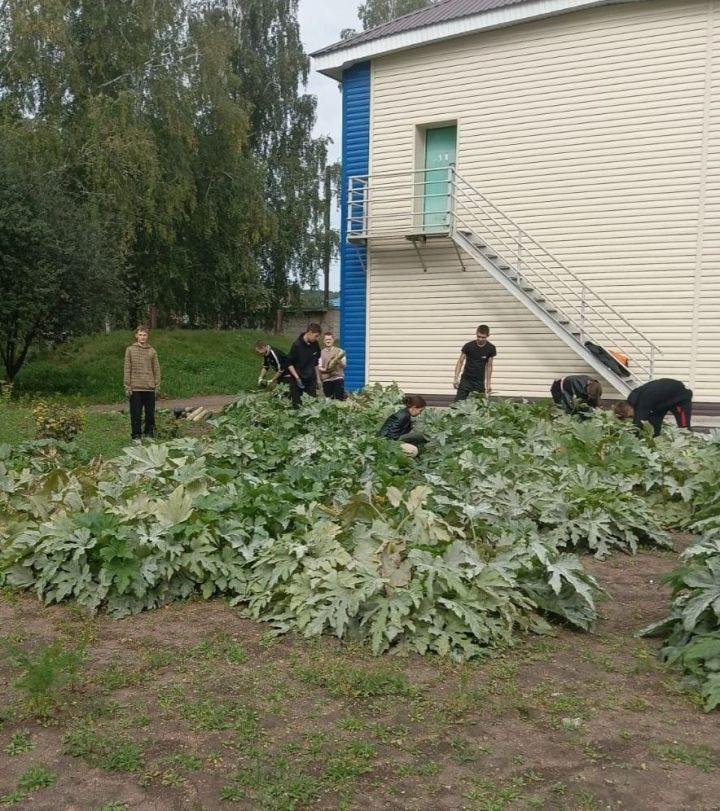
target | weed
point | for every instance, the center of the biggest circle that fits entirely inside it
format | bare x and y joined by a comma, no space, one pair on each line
114,807
45,674
36,777
12,798
19,743
701,757
276,785
110,752
351,724
343,681
118,677
221,646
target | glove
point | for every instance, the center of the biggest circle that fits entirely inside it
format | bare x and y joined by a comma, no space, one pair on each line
300,384
261,380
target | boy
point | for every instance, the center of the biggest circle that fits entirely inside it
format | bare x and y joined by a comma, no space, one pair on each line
332,368
303,361
141,379
473,370
653,400
577,394
274,362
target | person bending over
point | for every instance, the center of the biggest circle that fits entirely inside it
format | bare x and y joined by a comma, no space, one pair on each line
653,400
274,365
399,426
577,394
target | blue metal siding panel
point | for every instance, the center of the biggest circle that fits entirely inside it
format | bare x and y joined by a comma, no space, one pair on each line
353,258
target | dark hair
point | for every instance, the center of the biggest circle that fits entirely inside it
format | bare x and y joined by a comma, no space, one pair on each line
624,410
260,344
414,401
594,392
314,327
484,328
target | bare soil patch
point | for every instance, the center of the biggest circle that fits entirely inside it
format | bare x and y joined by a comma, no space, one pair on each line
193,707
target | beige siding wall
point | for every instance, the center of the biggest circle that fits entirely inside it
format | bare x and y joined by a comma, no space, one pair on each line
599,132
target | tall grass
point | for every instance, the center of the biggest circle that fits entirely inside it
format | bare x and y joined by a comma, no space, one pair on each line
193,362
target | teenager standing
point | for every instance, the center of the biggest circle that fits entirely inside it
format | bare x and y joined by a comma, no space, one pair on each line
473,370
332,368
141,378
303,360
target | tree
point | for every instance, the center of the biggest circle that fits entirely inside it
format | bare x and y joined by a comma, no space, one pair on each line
376,12
54,270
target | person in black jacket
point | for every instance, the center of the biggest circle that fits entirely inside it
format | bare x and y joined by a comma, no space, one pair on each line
577,394
274,365
399,426
302,365
652,401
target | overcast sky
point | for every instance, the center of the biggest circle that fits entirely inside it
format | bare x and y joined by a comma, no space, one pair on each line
321,22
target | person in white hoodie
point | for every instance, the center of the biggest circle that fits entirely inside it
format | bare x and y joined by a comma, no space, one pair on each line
332,368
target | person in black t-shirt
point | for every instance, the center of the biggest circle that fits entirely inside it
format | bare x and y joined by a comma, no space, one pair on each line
473,370
274,366
302,365
652,401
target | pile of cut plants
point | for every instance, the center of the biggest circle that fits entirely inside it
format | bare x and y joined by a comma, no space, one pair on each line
309,521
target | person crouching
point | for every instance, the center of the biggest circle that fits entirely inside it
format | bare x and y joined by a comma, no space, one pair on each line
399,426
577,394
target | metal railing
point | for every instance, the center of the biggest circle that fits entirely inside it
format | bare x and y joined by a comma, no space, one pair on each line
432,202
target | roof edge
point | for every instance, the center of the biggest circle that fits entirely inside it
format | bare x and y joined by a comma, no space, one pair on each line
333,63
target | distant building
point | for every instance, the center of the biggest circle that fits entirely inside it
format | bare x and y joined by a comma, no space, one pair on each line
548,167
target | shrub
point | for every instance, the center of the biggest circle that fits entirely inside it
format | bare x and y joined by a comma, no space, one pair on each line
55,421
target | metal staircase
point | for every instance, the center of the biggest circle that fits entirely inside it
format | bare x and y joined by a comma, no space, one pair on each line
379,207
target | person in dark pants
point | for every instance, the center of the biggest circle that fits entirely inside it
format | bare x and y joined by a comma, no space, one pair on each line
653,400
473,370
141,378
303,360
332,368
399,426
577,394
274,366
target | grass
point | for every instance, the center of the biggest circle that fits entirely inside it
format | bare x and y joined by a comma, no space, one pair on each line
89,369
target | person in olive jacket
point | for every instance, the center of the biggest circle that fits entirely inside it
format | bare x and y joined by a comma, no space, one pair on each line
141,378
399,426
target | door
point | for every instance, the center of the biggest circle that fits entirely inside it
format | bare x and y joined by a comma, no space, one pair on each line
440,152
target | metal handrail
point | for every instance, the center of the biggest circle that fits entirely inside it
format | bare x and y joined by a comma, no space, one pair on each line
469,213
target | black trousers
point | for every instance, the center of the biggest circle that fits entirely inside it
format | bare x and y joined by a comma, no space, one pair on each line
467,386
140,400
334,389
682,411
296,392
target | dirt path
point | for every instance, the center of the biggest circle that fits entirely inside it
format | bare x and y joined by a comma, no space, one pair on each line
194,707
213,402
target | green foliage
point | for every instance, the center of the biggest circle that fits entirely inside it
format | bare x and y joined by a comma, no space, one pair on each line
114,753
692,630
44,674
376,12
308,520
32,779
56,421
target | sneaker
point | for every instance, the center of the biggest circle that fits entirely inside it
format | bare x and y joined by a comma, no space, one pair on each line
137,441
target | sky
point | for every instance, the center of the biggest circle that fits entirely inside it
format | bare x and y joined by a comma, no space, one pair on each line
321,22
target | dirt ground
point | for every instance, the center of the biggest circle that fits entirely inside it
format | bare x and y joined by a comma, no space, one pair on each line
193,707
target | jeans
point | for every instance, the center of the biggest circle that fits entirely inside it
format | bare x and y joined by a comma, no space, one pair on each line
140,400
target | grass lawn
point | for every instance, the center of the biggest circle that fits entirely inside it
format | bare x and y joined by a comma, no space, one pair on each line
193,707
193,362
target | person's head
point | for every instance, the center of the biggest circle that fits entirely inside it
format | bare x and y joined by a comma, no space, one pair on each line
415,404
312,333
594,393
482,333
328,339
261,347
624,410
142,335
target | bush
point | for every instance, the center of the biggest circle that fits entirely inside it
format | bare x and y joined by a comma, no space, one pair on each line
55,421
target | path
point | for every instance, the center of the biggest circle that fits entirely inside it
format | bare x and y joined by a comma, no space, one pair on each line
213,402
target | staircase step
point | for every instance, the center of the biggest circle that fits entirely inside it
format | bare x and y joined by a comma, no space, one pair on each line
526,288
504,267
491,255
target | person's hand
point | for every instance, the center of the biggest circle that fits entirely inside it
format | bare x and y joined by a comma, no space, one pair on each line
128,391
261,380
456,383
300,384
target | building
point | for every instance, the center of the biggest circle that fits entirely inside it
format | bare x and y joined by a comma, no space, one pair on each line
548,167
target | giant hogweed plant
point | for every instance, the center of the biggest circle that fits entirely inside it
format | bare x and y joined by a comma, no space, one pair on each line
308,520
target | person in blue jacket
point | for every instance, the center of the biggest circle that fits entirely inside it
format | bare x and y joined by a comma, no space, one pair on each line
399,426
